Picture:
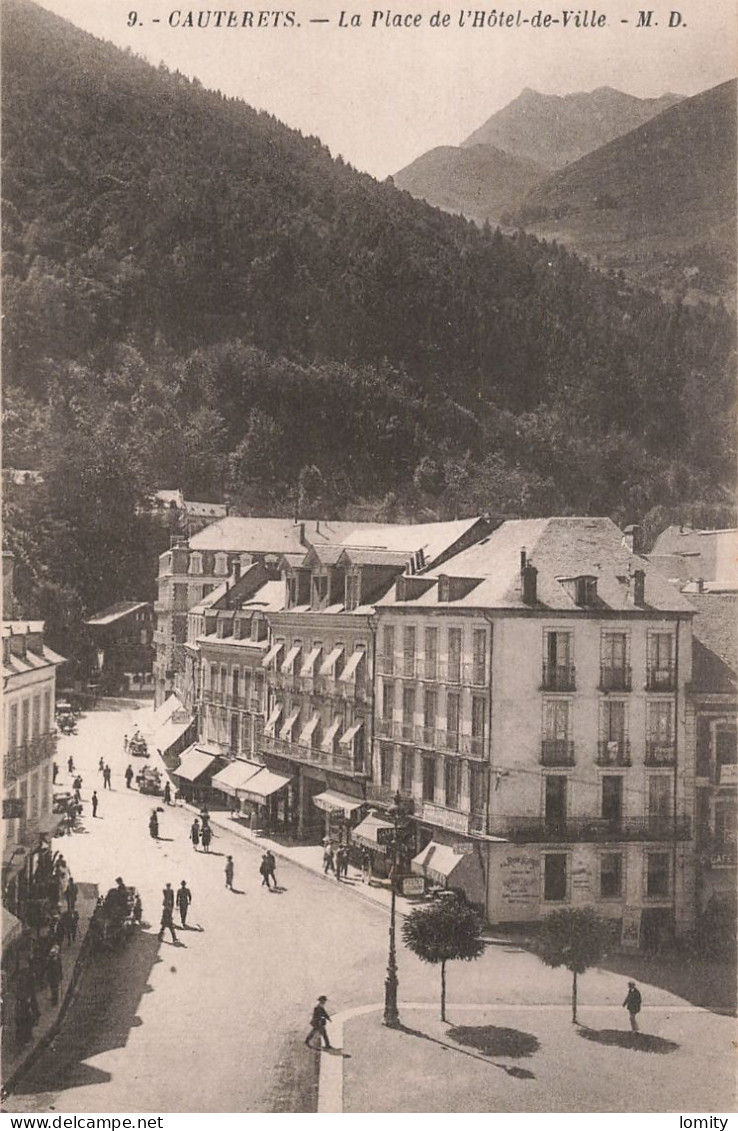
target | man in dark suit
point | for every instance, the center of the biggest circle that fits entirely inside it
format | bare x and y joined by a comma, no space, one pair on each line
318,1022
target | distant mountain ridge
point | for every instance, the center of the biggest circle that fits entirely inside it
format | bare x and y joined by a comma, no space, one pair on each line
554,130
480,181
658,202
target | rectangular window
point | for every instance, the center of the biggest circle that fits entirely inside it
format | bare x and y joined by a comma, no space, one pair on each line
454,655
406,771
612,798
430,708
388,650
478,788
452,720
659,796
558,671
352,591
408,651
657,874
235,682
47,712
388,700
614,669
408,711
429,779
451,783
556,720
479,657
611,875
555,802
25,714
431,653
613,720
223,680
385,763
36,716
13,726
660,661
554,876
661,722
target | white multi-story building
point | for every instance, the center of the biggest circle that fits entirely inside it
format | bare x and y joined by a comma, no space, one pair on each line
29,702
530,699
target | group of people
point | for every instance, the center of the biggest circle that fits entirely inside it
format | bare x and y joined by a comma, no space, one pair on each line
336,860
200,832
106,772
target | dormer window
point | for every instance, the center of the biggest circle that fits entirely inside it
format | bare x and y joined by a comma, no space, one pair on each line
196,562
444,588
585,590
221,565
353,590
320,589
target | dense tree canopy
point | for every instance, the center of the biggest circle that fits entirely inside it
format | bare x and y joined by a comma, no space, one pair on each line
197,296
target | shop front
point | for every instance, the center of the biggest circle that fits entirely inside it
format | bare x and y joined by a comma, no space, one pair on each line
452,867
341,813
367,835
270,798
229,780
195,772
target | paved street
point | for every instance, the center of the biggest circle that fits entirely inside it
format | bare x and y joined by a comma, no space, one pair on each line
217,1022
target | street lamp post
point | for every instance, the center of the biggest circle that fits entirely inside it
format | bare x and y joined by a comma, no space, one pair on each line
391,1015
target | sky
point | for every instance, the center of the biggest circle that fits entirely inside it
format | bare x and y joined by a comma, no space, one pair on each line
381,96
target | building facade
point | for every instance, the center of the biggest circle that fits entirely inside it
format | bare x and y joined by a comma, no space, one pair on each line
29,701
531,700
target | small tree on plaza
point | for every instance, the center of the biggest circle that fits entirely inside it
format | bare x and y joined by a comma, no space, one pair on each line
442,932
575,937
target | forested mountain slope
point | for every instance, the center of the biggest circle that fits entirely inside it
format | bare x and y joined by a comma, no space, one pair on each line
195,295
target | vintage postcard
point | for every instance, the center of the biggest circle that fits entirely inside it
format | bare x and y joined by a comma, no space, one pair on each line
370,677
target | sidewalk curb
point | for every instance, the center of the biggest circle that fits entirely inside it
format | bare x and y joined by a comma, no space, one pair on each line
246,835
44,1041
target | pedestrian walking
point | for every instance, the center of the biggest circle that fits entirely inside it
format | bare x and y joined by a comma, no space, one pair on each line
318,1023
184,899
70,923
54,973
271,862
106,777
129,776
54,772
328,859
167,896
341,862
78,783
633,1004
94,801
366,866
264,871
70,764
195,833
229,873
71,894
167,923
101,764
168,794
206,836
154,826
125,746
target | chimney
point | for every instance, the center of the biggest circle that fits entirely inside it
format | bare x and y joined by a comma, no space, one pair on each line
236,570
421,559
301,526
523,559
529,575
700,585
633,539
639,587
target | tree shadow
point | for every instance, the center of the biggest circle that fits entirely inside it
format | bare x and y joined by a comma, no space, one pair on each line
510,1069
493,1040
624,1039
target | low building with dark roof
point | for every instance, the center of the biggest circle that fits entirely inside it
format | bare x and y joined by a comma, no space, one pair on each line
121,646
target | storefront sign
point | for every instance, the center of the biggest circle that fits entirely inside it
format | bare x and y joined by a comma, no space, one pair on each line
445,818
385,836
729,774
413,885
723,860
519,874
464,848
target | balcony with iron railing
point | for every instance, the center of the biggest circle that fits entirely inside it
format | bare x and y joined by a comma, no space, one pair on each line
596,829
558,677
613,752
210,695
660,752
20,760
615,677
557,752
434,671
353,765
662,678
377,791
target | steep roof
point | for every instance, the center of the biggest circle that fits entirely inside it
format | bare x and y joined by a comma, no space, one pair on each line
559,548
715,642
712,555
117,612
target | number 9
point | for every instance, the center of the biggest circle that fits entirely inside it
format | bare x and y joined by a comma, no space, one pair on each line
132,19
